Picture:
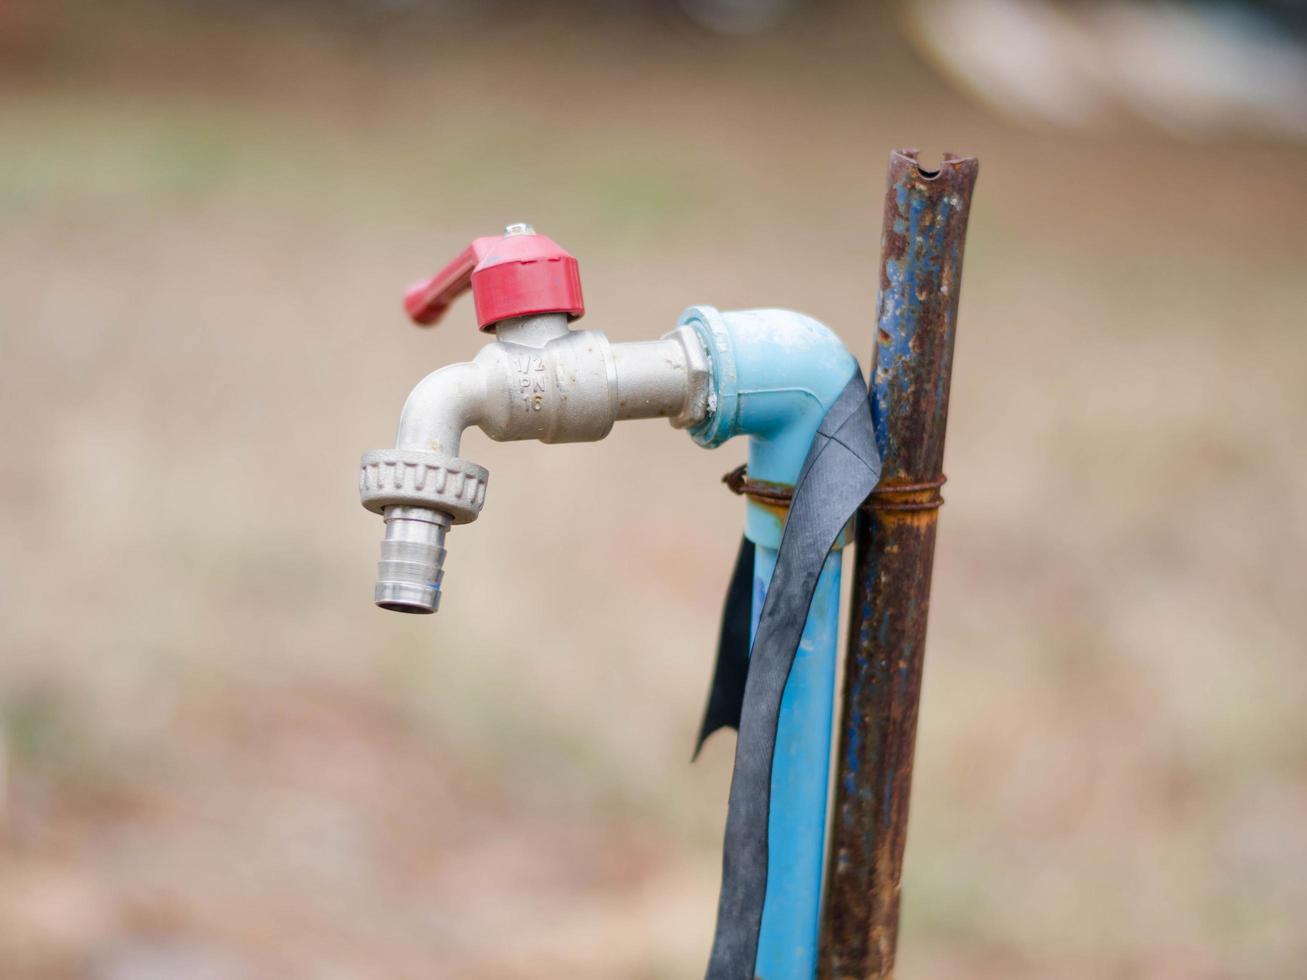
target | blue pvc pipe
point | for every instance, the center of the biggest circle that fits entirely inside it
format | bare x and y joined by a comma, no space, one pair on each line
796,827
775,373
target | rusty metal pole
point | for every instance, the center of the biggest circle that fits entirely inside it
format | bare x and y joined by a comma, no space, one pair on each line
920,271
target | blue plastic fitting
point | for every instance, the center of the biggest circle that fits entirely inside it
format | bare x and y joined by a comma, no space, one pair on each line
775,373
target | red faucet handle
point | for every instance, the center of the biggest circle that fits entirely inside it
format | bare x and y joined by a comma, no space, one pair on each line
520,274
426,301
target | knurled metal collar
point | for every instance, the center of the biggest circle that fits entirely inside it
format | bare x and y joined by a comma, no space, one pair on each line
410,478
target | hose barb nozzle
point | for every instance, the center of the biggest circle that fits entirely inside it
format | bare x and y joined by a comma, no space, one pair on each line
419,495
412,560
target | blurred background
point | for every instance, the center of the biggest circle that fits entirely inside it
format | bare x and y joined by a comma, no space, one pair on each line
219,760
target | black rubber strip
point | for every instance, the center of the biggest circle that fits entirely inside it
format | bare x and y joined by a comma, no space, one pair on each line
726,693
841,469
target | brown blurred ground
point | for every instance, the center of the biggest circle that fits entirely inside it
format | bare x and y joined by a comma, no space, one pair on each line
222,761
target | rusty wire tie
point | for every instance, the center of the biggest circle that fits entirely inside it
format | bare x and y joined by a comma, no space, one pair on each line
776,494
883,498
889,496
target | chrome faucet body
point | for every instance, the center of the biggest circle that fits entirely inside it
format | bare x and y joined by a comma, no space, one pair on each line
538,380
542,380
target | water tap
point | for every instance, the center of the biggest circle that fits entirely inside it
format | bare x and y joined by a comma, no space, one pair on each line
538,379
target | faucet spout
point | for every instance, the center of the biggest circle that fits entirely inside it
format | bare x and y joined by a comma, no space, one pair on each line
441,407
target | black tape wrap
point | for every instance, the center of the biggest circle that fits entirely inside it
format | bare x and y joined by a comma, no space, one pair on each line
841,469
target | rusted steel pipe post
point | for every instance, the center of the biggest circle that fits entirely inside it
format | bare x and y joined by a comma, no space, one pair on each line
920,271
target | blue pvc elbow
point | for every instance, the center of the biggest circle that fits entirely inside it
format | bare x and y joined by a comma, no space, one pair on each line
775,373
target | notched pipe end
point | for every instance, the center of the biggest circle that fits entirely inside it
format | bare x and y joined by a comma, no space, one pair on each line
953,164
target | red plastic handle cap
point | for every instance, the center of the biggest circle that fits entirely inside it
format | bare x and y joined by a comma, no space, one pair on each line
520,274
